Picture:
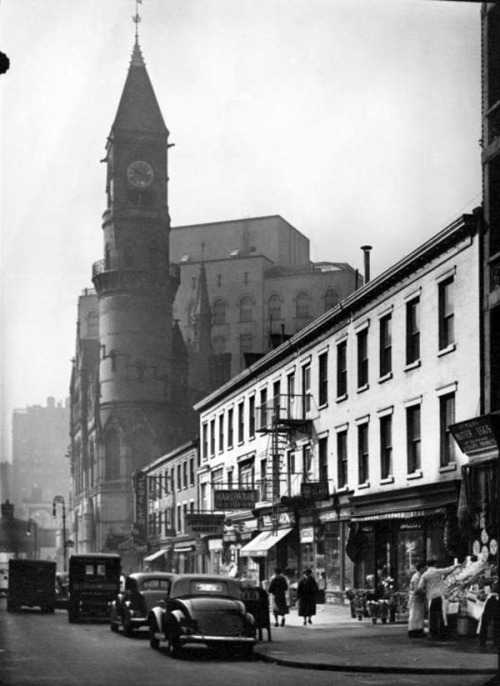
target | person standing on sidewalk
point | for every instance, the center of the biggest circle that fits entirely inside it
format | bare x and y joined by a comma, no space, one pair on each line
278,588
432,582
416,604
306,595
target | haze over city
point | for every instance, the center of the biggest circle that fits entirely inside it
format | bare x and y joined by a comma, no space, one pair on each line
357,122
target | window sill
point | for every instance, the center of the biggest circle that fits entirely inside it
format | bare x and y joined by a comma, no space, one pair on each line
413,365
365,484
362,389
343,489
449,349
323,406
415,475
387,480
451,467
386,377
251,438
341,398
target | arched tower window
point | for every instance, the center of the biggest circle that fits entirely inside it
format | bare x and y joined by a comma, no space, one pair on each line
219,312
302,304
112,461
92,324
274,308
331,298
246,310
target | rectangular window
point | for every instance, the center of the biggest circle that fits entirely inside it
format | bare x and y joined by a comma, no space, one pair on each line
447,417
306,388
413,331
251,416
290,469
241,422
385,352
185,474
246,475
263,408
446,313
290,389
342,369
179,518
230,428
179,477
306,462
386,446
413,438
212,437
362,358
205,441
342,458
323,379
191,471
323,459
363,455
229,479
221,433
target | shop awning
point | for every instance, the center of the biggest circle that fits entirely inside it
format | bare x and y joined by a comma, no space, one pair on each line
399,514
184,548
154,556
263,542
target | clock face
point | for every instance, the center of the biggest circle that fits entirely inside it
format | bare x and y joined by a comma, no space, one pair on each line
140,174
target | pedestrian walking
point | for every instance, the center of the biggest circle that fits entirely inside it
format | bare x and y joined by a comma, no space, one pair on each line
278,588
433,583
306,595
416,604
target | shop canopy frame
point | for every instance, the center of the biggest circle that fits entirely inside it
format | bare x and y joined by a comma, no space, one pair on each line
263,542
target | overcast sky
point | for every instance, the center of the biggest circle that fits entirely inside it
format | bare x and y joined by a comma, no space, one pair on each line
358,121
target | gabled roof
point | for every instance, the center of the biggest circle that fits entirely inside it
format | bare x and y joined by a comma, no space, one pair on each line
138,109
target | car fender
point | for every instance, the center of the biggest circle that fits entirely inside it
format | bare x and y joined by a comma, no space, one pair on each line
155,618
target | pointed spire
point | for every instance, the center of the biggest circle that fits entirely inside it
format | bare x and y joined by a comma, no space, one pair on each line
202,315
137,58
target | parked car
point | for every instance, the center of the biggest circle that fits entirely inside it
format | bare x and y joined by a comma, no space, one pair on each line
202,609
31,584
62,590
141,591
94,581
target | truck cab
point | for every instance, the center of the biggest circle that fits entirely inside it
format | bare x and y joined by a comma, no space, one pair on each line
94,581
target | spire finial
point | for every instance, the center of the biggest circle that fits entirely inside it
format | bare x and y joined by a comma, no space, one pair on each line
137,20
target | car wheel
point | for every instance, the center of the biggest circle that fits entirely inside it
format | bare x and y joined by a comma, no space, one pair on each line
154,643
128,629
113,626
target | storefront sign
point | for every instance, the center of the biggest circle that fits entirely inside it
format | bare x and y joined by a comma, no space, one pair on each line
307,535
314,490
235,499
478,434
141,500
284,519
204,524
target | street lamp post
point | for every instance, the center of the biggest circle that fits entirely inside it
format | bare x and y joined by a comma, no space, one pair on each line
33,524
60,500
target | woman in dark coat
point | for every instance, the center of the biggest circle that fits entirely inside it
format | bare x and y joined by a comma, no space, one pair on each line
306,595
278,588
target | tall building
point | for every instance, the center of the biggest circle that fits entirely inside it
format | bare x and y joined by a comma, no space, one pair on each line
40,440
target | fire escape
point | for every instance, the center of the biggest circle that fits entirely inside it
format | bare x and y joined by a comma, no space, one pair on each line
283,418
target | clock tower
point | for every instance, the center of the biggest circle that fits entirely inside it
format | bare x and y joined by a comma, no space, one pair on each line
141,412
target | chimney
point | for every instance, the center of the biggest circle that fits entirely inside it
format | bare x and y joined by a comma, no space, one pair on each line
366,250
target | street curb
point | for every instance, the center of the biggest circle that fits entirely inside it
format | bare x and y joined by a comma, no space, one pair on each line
372,669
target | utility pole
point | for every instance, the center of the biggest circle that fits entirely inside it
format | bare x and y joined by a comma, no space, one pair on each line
60,500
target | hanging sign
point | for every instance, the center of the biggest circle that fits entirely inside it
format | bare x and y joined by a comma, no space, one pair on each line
314,490
204,524
235,499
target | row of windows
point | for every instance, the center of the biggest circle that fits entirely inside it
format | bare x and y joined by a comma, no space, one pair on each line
303,309
162,522
181,476
413,443
238,424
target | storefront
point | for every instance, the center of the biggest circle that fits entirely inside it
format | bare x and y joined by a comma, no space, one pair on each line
271,548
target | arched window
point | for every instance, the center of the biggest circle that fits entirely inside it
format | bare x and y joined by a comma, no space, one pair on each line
274,308
219,312
331,298
302,305
92,324
112,467
246,312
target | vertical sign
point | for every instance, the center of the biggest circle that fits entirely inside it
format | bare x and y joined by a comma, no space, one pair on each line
141,502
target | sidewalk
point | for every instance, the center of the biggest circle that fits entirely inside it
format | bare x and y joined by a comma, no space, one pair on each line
337,642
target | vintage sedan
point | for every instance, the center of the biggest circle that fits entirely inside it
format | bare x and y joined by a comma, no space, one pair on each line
202,609
140,592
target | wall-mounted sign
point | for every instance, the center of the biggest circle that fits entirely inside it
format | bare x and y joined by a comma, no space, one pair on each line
283,519
476,435
314,490
141,499
235,499
204,524
307,535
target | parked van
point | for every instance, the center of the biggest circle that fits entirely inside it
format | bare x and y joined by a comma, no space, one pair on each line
32,583
94,581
